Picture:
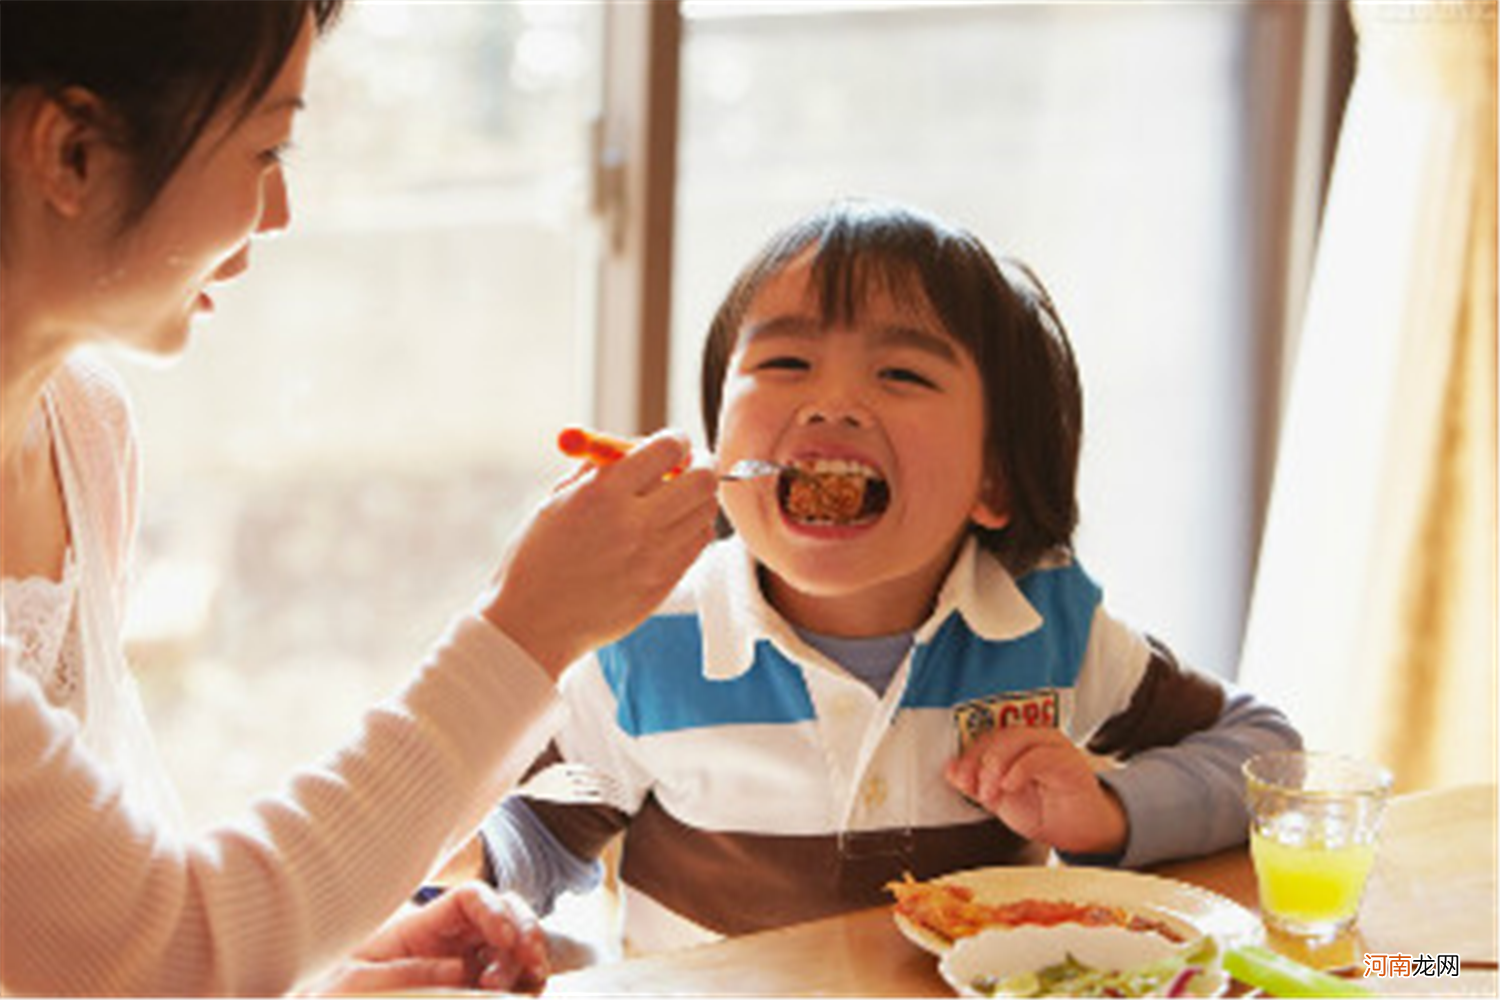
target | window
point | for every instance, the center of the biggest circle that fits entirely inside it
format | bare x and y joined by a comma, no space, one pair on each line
333,468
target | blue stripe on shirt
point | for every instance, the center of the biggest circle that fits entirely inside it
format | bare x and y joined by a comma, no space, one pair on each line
957,666
656,674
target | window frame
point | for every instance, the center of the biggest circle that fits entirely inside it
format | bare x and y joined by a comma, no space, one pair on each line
633,198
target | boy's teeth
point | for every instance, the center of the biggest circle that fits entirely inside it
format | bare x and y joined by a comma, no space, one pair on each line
838,467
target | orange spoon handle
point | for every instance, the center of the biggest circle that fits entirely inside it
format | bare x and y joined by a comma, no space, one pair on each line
594,447
598,448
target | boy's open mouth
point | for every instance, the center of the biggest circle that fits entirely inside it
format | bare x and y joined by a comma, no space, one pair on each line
832,492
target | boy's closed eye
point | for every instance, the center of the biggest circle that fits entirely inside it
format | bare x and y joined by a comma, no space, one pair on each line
908,376
783,363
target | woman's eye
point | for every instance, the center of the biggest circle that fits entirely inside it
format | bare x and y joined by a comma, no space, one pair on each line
908,377
277,154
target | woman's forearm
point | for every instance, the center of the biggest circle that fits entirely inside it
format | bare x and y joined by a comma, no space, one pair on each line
95,899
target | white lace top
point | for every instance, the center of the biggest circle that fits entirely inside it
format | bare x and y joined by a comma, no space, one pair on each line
66,632
39,620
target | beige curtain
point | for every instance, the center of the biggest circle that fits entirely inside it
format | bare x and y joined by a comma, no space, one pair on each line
1373,617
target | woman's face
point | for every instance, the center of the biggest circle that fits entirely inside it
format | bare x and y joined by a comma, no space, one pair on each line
230,187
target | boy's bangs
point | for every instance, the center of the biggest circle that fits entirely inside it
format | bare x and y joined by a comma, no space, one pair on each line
845,280
926,280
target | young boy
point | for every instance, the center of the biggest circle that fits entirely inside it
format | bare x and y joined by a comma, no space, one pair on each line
894,663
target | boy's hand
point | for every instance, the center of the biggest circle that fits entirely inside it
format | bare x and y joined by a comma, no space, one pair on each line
1038,783
471,937
603,551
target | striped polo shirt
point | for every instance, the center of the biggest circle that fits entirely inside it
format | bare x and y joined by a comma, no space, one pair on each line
761,784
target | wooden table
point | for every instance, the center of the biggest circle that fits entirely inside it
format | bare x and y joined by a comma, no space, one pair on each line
1433,891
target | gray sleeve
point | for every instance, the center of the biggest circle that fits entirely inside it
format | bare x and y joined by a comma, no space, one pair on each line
525,858
1187,799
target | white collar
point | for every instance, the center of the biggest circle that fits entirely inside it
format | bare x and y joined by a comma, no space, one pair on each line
734,614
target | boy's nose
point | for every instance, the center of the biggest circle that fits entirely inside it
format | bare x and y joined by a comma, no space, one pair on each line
844,413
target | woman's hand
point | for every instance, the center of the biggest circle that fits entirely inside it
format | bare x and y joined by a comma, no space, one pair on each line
471,937
603,551
1038,783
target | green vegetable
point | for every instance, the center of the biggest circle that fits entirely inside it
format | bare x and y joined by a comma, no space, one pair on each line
1279,976
1072,978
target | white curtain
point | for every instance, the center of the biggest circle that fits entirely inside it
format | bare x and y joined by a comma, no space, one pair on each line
1373,616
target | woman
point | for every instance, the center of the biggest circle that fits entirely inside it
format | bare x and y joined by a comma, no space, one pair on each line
139,150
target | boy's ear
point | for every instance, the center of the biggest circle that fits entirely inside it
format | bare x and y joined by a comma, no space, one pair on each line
69,152
992,509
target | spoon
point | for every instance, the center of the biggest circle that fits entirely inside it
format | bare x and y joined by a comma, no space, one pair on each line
598,448
752,468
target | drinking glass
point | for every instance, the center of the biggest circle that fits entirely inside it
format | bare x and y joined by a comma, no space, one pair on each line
1313,824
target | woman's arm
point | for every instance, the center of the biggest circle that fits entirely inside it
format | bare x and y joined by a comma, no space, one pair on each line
95,899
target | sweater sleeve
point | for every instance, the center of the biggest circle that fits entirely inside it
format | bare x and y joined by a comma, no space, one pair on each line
1181,736
95,899
541,848
1187,799
525,858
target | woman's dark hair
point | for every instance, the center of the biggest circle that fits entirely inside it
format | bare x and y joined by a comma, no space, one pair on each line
161,69
999,311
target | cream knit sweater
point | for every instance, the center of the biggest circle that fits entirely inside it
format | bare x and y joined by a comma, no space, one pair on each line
97,898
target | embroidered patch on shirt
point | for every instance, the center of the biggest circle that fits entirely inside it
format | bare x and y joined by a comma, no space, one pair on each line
1000,711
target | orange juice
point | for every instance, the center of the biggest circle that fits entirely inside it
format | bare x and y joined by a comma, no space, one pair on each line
1310,886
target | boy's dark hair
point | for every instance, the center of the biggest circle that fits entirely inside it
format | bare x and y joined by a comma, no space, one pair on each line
161,68
998,310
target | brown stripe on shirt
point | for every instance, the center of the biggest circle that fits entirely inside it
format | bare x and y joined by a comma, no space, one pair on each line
584,829
1170,703
736,883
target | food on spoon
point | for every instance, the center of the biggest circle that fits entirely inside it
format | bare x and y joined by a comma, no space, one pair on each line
951,912
833,492
826,497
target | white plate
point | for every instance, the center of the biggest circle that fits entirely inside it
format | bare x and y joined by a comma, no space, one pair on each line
1187,909
1003,953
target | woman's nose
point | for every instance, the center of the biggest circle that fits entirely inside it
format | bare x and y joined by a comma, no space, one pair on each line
276,208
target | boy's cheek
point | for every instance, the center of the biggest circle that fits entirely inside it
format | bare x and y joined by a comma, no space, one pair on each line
753,415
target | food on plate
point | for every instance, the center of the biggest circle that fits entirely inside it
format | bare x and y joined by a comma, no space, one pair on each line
951,912
1189,971
833,492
